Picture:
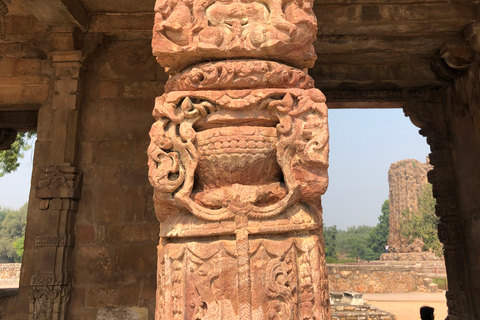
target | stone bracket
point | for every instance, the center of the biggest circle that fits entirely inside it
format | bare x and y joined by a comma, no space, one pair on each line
472,34
59,182
453,60
7,137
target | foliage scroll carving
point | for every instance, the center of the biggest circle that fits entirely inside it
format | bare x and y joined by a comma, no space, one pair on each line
300,140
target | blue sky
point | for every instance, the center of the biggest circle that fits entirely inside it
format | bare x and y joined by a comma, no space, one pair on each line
363,144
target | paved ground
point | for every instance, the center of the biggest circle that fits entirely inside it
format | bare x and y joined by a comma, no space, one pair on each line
406,306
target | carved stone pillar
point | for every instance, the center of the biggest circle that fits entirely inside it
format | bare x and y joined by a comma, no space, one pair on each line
238,159
429,117
58,186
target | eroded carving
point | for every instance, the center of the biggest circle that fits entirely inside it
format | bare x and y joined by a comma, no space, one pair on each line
239,74
185,31
225,160
239,150
48,302
59,182
282,283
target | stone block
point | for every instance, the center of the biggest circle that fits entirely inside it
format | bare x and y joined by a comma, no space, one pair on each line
28,67
108,89
87,153
101,297
134,64
114,152
93,264
125,313
7,67
137,257
133,233
135,204
110,204
134,176
84,234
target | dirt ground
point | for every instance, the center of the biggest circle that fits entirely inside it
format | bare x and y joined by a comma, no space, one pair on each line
407,307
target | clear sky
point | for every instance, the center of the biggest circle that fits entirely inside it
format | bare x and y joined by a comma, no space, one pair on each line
363,144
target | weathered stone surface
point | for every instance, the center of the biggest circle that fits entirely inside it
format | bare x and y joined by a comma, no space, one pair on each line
406,179
388,277
187,32
239,150
133,313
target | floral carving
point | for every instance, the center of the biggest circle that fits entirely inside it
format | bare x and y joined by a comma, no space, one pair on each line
59,182
239,74
49,302
176,156
278,30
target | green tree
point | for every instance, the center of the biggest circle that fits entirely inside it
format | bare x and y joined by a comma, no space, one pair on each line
353,242
9,158
378,237
330,236
19,246
423,223
12,229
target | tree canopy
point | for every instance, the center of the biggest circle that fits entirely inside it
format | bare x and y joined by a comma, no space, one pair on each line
364,242
423,223
12,233
9,159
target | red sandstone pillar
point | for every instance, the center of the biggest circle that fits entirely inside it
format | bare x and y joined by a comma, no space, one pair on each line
238,159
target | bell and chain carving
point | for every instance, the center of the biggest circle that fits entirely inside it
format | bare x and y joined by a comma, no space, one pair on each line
238,159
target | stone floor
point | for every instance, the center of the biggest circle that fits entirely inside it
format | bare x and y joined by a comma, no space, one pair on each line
406,306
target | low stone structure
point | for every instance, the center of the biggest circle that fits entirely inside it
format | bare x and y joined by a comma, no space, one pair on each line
350,306
405,179
9,275
382,278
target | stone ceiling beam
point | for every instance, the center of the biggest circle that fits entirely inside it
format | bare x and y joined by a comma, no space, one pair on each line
59,13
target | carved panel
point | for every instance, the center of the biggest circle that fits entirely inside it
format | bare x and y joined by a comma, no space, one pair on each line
285,280
59,182
199,159
52,241
186,31
48,302
239,74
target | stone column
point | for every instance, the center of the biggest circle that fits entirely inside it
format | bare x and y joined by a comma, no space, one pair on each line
429,117
238,159
58,185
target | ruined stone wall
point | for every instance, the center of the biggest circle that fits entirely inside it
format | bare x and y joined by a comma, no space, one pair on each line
116,229
405,180
377,278
9,275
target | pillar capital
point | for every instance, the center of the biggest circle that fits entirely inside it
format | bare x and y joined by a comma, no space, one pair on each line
187,32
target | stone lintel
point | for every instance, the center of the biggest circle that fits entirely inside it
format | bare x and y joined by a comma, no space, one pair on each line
19,120
59,13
